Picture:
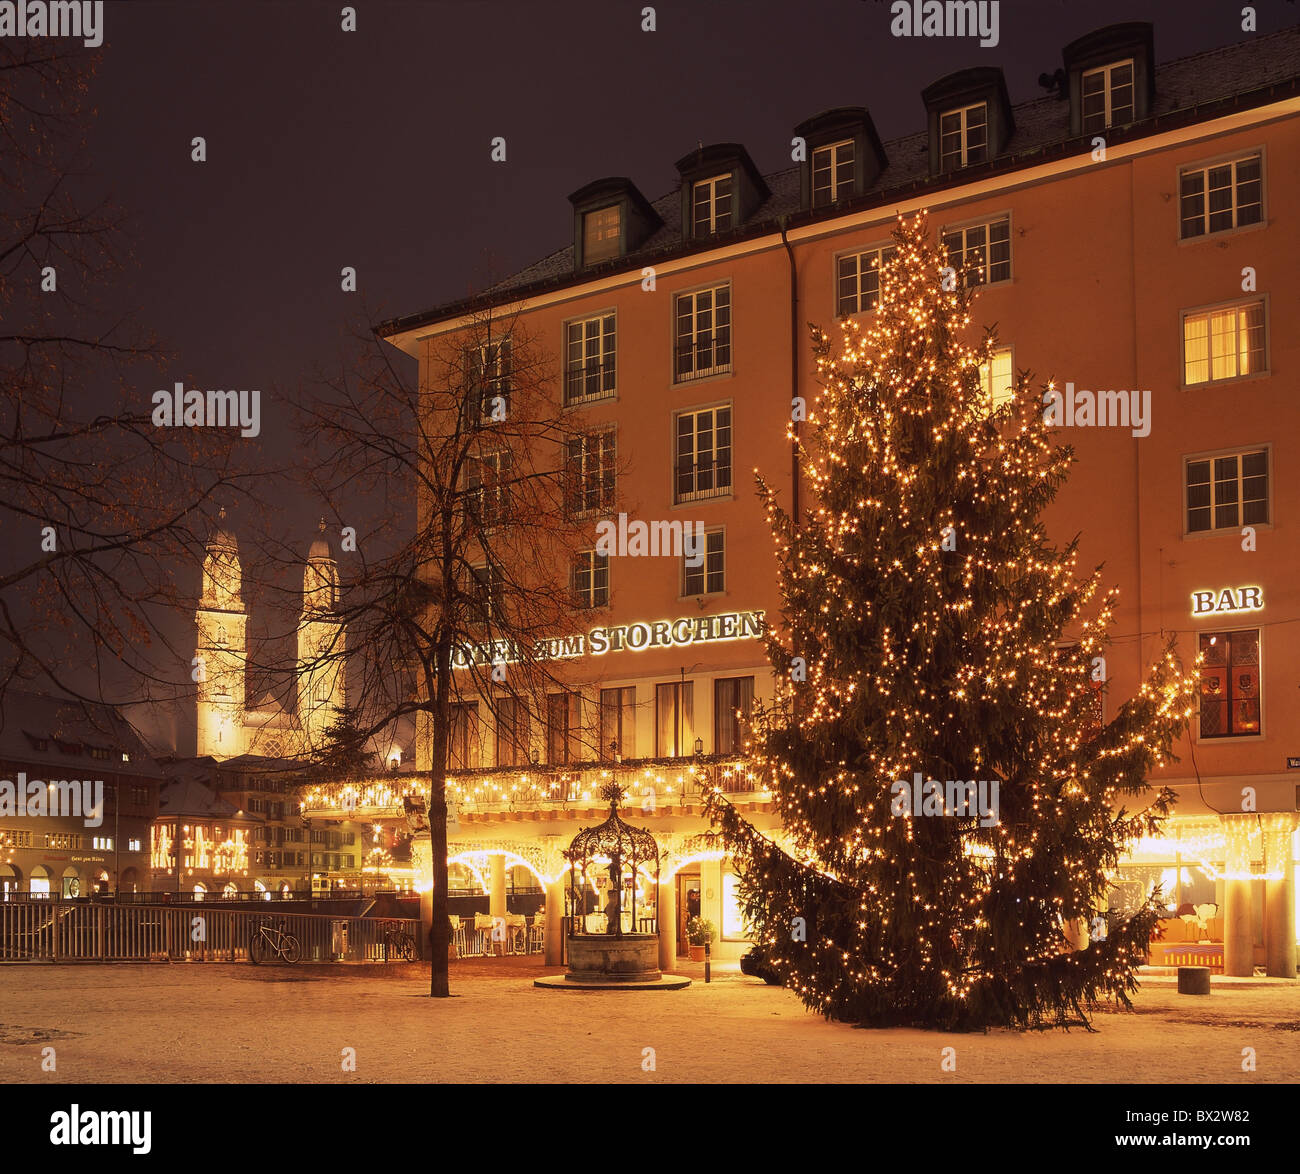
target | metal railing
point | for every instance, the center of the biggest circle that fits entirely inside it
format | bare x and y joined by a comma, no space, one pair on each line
59,932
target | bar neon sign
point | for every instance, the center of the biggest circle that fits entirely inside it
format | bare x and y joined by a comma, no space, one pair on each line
1229,599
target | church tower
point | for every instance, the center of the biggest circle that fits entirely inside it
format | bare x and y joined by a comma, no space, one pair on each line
321,685
220,648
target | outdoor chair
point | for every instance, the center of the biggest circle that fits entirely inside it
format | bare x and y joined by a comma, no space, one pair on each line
516,933
537,934
483,933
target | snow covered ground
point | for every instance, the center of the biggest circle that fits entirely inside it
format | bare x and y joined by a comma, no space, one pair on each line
204,1022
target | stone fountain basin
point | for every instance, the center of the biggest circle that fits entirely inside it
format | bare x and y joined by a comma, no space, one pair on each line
632,958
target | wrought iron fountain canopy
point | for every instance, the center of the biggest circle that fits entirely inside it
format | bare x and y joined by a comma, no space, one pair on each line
627,849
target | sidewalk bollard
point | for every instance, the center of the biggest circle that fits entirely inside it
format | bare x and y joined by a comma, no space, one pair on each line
707,966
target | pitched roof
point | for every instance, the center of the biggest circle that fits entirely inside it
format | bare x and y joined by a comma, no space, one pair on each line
1184,88
60,732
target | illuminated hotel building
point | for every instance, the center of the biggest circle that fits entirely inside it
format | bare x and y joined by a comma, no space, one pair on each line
1135,228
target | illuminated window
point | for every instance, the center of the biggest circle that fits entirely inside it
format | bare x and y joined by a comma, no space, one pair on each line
1227,492
733,700
1223,344
711,205
996,378
464,748
563,728
675,719
734,928
980,252
1226,195
618,723
602,232
1230,684
832,172
963,136
512,732
1108,96
857,280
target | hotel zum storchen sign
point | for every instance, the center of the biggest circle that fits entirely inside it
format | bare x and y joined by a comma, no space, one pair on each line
735,625
1230,599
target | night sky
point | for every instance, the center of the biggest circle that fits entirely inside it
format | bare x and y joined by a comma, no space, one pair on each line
328,148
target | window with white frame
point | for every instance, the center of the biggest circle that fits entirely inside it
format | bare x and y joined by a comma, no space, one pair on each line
703,454
1230,684
487,592
702,333
602,234
675,719
591,578
982,252
1221,196
997,379
710,576
857,280
832,172
733,702
563,728
590,472
1227,343
711,205
488,488
1226,491
618,722
463,745
963,136
512,731
1107,96
589,360
489,380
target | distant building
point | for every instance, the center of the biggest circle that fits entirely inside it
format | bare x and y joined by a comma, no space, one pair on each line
227,726
58,741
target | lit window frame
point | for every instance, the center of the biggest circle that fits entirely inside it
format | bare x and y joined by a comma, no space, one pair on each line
1252,735
956,160
842,172
1208,314
1203,168
856,257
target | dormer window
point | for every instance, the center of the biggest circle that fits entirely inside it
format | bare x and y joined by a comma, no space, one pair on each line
833,172
963,136
601,234
711,205
720,190
1107,96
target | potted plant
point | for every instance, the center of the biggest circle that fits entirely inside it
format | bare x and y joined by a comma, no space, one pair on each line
699,933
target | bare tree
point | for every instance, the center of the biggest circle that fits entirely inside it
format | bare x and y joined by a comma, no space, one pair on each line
97,504
503,480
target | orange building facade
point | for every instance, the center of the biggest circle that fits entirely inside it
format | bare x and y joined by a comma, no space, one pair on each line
1134,232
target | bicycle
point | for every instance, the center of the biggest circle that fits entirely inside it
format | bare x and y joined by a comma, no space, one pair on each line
268,942
399,943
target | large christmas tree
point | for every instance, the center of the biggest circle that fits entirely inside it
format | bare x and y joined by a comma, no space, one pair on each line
932,633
